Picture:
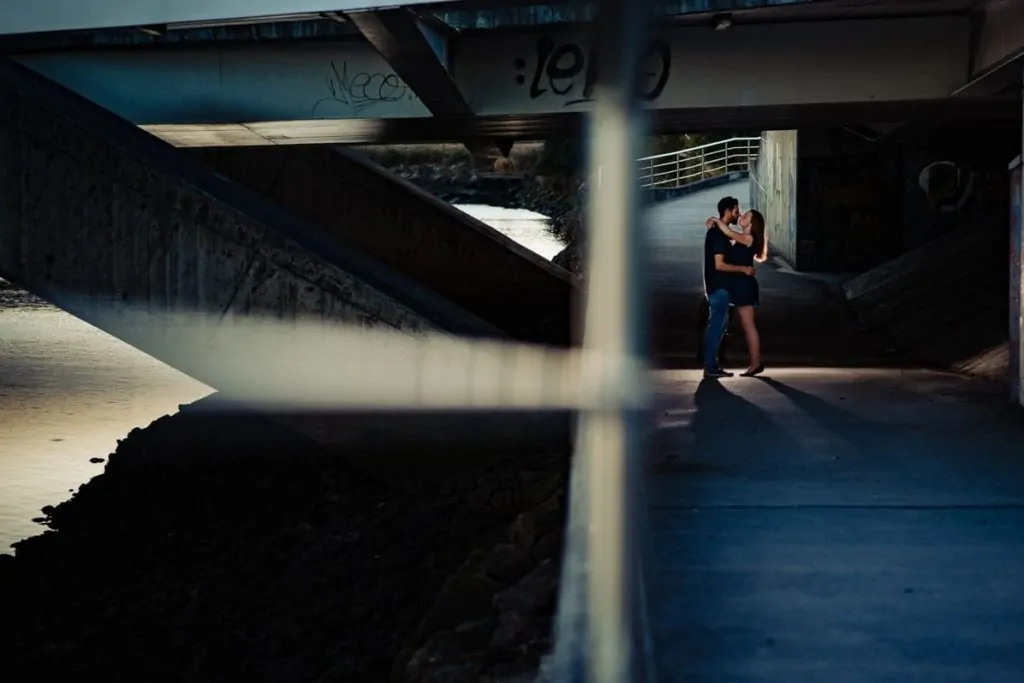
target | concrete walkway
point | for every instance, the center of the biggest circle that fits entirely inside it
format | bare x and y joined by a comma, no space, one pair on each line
833,524
800,321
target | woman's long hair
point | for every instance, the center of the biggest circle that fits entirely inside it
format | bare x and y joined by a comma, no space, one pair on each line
760,240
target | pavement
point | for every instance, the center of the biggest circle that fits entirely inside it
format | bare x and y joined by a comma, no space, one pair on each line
834,520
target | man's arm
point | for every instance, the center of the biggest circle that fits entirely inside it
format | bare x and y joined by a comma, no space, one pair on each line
742,238
722,266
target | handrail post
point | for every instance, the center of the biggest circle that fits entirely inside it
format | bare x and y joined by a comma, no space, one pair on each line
602,635
693,164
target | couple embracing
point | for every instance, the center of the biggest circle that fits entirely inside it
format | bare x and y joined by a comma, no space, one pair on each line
729,280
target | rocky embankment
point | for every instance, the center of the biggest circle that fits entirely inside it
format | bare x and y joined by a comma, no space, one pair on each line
221,547
560,199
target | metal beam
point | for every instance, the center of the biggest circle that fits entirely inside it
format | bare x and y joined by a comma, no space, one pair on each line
42,16
419,57
280,31
499,14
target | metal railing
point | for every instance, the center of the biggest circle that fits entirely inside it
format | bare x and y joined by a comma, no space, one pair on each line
691,165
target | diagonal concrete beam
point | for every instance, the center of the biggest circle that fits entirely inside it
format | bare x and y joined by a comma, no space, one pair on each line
419,56
997,48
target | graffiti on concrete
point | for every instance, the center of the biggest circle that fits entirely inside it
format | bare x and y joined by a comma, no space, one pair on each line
568,71
361,90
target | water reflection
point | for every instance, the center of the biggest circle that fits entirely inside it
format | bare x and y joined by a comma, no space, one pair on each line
68,391
528,228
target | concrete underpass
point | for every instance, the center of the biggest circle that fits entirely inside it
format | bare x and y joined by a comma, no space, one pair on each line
852,510
846,516
853,514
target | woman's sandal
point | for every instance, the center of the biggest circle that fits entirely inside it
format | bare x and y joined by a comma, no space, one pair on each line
753,373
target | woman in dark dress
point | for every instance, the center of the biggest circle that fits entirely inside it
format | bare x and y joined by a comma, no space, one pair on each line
748,247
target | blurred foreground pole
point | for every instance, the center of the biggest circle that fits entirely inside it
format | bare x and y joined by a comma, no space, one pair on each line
610,441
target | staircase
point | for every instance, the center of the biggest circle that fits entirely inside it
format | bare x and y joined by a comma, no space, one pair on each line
943,303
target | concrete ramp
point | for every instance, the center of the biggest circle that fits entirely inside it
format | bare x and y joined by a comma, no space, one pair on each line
99,217
943,303
455,255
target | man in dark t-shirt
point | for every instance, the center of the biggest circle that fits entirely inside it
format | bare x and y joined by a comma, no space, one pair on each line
716,287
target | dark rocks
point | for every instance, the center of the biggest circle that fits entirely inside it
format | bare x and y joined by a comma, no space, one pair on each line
452,653
459,184
534,593
217,546
523,531
570,258
507,644
549,546
463,598
508,562
511,626
538,485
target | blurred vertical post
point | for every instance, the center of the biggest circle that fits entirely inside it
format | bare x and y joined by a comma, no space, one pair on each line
610,441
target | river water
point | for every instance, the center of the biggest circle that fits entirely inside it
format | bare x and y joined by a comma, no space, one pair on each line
68,391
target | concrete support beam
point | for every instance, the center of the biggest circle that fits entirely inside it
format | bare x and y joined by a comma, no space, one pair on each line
544,126
157,250
417,54
997,49
532,84
419,57
1001,38
520,73
695,67
152,228
444,249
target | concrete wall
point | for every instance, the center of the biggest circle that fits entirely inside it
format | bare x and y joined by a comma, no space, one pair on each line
773,191
848,203
453,254
96,215
863,203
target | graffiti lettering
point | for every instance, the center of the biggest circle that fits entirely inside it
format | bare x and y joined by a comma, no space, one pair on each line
363,90
557,70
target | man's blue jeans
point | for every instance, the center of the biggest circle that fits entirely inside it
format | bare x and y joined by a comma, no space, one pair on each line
718,320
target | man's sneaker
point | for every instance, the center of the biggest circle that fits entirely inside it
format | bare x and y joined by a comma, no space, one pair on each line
715,373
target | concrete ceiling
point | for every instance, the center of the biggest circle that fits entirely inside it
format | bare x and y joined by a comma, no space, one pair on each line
542,126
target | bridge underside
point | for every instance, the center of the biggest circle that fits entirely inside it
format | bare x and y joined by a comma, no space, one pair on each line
403,75
543,126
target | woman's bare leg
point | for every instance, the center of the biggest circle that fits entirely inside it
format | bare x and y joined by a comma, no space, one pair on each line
753,338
